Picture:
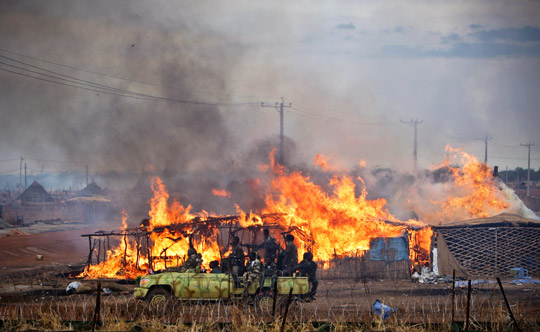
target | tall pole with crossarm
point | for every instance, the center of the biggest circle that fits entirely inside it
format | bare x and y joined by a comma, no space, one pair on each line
414,123
528,145
279,107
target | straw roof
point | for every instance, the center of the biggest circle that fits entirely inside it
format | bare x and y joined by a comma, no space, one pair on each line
92,189
500,220
35,194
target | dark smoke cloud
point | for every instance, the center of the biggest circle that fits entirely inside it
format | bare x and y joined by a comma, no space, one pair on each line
110,132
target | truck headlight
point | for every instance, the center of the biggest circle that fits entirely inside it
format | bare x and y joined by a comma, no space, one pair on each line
143,281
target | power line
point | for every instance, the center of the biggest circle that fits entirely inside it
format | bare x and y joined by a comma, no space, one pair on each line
439,132
8,160
127,79
514,158
121,92
13,170
301,110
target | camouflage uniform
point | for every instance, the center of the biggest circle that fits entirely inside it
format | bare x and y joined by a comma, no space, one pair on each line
254,269
271,247
234,263
192,264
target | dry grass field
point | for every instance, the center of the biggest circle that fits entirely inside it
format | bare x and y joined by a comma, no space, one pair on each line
32,296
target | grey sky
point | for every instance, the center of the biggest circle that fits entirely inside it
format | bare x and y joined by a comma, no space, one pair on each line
351,69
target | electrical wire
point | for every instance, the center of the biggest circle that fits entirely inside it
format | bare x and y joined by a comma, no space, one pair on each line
5,172
121,92
128,79
298,109
97,87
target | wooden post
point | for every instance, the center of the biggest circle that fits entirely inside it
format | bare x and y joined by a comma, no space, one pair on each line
286,311
468,305
453,295
508,304
98,307
125,248
138,246
98,242
150,263
90,250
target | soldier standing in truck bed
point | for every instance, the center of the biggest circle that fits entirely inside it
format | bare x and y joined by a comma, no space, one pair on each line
236,260
270,246
307,267
290,255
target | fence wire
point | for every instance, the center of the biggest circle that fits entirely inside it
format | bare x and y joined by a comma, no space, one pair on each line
337,300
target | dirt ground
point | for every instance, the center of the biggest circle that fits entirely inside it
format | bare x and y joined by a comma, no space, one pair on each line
58,244
25,281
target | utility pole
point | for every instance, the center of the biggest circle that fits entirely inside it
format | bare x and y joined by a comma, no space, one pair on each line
279,107
528,145
25,183
20,173
414,123
87,175
485,139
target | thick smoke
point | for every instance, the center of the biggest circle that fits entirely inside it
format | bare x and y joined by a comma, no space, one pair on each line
110,132
348,100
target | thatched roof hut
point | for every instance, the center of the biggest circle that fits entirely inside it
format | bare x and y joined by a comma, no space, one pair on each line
93,189
35,194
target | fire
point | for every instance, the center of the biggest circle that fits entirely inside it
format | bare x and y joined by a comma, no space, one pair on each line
324,162
221,193
473,193
330,223
338,223
120,261
169,243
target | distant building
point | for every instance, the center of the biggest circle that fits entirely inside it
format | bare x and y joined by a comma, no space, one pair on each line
35,204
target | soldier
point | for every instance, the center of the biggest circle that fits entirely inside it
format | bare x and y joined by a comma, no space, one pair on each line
270,246
235,260
192,263
290,255
214,266
253,270
308,267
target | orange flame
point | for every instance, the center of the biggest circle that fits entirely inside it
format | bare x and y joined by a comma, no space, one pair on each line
473,192
330,224
221,193
339,223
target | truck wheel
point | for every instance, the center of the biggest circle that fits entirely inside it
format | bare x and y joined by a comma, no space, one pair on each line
157,297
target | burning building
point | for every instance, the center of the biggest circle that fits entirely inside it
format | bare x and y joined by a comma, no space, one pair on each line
339,224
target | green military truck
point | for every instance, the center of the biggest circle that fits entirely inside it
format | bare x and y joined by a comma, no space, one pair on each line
157,288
